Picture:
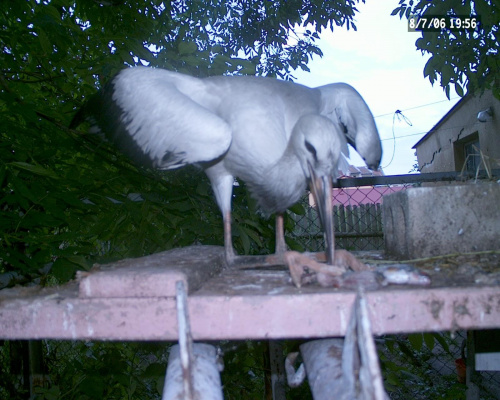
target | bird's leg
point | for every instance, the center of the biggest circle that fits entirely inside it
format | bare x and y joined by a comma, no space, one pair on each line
228,240
222,185
280,235
235,261
254,261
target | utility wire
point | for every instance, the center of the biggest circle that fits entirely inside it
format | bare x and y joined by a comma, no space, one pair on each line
422,133
401,117
420,106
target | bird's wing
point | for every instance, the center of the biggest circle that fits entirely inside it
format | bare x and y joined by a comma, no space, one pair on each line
342,104
161,118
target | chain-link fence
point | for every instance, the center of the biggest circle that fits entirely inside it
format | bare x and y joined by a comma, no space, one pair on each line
417,368
357,209
432,365
357,215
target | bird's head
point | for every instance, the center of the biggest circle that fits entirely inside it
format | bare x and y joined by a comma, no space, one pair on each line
342,104
318,144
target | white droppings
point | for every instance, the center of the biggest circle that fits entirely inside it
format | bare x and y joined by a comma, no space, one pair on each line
240,287
276,290
343,322
90,328
68,321
87,289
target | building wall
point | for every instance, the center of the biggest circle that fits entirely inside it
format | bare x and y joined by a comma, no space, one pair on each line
442,150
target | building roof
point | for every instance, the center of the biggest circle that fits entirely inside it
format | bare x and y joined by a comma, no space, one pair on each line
357,172
453,109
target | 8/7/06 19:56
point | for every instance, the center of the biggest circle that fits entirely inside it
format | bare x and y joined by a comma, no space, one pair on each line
437,23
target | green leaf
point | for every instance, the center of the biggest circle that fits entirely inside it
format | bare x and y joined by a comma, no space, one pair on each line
253,235
298,209
154,369
459,89
44,42
408,12
80,261
429,70
416,340
187,48
389,342
294,244
35,169
63,269
393,379
396,11
93,386
447,91
429,340
52,12
22,193
441,340
406,350
183,206
243,237
3,174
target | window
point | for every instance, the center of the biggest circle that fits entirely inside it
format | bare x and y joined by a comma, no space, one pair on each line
471,155
467,154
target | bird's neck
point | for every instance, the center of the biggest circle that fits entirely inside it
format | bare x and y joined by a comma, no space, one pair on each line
283,184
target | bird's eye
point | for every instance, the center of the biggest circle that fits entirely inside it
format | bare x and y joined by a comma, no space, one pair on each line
344,127
311,149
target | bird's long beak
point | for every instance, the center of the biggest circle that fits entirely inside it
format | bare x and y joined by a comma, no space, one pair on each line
321,188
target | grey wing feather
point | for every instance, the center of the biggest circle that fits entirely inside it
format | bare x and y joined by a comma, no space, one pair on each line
161,118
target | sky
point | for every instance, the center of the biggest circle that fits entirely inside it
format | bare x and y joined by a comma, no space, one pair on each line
381,62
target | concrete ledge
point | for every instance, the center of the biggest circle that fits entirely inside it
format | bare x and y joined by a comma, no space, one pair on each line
430,221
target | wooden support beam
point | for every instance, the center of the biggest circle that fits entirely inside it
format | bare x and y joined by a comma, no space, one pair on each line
250,314
237,304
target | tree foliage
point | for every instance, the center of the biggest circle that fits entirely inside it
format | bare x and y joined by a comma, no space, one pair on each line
467,60
68,200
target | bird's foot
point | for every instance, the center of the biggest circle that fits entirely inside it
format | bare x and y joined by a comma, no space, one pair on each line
348,272
343,258
310,268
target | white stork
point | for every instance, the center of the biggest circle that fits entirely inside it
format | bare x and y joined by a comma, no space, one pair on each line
276,136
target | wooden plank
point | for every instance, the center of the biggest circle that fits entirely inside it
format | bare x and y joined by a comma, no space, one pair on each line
250,312
155,275
242,304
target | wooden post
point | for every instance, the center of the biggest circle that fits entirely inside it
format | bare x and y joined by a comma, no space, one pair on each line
472,392
277,361
206,375
323,361
346,369
192,372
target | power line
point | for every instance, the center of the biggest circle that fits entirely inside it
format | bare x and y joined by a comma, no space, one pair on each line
401,117
420,106
403,136
422,133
